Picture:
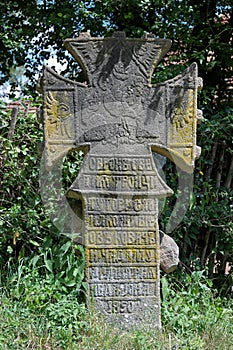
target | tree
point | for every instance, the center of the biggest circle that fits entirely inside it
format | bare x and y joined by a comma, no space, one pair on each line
30,30
202,32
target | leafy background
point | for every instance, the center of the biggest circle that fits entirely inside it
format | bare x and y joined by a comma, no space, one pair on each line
42,269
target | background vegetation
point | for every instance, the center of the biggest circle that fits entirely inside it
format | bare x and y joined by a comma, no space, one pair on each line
41,271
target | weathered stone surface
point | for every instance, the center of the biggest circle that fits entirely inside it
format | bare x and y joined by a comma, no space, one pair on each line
118,119
169,253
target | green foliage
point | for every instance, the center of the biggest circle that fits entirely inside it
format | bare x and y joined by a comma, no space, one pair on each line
28,238
59,268
38,312
45,317
71,165
21,212
191,311
30,32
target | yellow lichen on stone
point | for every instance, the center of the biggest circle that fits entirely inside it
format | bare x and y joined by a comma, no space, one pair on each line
182,129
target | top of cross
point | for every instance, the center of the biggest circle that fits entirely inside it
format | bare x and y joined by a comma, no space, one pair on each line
118,104
118,57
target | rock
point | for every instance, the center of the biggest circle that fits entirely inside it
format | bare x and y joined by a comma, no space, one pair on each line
169,253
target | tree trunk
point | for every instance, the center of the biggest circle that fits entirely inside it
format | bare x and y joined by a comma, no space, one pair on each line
212,158
203,254
211,254
220,166
229,175
14,114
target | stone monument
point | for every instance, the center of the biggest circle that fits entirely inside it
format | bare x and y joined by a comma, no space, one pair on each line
118,118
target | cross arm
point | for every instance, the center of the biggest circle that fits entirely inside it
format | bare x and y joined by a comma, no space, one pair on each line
60,114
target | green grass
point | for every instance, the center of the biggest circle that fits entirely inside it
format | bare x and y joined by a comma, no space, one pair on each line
36,313
68,325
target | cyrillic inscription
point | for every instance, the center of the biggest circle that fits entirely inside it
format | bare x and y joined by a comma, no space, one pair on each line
121,221
125,182
117,273
119,205
123,289
120,182
120,164
121,238
116,256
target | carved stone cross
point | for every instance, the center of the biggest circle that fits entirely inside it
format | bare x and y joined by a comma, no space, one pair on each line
118,118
